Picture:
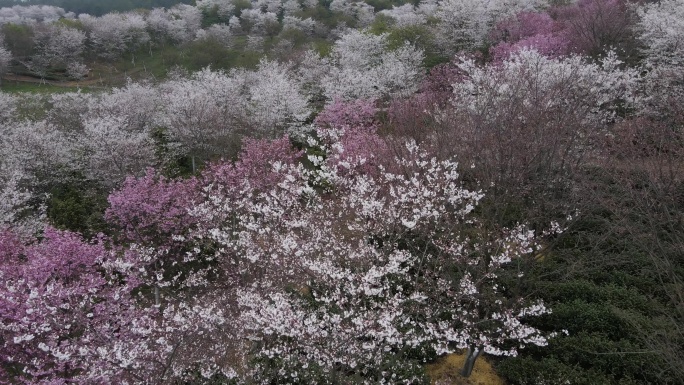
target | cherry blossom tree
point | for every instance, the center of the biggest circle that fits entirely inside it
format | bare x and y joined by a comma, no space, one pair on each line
405,15
57,46
151,208
527,124
5,60
206,112
194,288
45,299
20,14
114,33
362,67
594,27
224,8
464,24
660,32
221,33
137,104
66,110
202,112
8,105
259,22
33,149
363,14
660,27
15,210
275,102
294,23
64,318
354,126
367,256
153,212
291,7
385,266
112,150
179,24
274,6
531,30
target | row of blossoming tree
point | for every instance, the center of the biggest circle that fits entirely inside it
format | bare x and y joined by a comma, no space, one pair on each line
48,41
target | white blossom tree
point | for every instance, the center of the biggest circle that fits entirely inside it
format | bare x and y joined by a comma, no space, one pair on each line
275,102
661,30
15,206
294,23
362,67
20,14
8,106
57,46
219,32
33,149
136,104
67,110
29,152
258,22
362,13
224,8
210,108
179,24
5,61
112,150
528,122
405,15
272,6
291,7
464,24
202,111
114,33
381,267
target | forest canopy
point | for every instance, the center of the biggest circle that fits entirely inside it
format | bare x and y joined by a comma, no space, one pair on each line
98,7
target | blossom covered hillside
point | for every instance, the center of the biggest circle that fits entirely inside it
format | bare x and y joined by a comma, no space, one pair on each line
345,192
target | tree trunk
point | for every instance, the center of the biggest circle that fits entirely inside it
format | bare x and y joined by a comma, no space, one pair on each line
157,297
471,356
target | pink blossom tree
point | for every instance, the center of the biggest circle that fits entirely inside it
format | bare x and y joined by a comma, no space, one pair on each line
529,30
151,208
58,311
354,126
152,212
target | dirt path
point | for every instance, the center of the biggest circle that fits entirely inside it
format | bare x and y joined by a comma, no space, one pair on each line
76,83
92,82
